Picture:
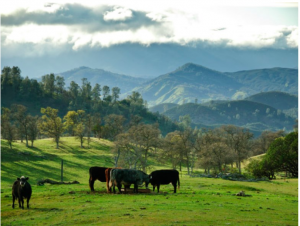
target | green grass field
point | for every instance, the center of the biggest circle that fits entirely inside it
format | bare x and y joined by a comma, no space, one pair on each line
200,201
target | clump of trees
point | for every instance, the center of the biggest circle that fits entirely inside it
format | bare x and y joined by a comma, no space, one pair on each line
281,156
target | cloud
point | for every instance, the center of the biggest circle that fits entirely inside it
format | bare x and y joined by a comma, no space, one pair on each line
101,18
57,27
118,14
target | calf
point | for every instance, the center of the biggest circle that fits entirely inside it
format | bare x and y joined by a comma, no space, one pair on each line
128,177
159,177
21,189
96,173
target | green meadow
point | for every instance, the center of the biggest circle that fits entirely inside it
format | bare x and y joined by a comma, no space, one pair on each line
199,201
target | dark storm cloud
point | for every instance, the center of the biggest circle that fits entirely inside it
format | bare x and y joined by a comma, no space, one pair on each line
90,19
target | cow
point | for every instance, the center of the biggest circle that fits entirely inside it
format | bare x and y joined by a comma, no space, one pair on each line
107,176
21,190
159,177
128,177
96,173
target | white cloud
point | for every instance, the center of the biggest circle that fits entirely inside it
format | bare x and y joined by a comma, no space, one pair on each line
118,14
181,23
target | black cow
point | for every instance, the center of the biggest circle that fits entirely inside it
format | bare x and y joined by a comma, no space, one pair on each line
128,177
21,189
159,177
96,173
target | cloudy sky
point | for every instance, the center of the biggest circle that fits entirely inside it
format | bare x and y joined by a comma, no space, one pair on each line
147,38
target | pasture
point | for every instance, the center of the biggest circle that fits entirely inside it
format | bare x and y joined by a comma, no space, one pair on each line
199,201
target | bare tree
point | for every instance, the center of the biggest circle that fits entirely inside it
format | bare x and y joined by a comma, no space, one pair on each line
262,143
33,130
113,125
145,137
22,119
186,142
8,130
170,152
238,140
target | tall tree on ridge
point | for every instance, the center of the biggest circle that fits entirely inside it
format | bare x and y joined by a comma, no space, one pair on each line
51,125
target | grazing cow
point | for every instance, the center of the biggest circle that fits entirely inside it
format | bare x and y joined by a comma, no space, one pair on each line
96,173
21,189
159,177
128,177
107,175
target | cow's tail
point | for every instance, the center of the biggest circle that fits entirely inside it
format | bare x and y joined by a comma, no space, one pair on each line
110,180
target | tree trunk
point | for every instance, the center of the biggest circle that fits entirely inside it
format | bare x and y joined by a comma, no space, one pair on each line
57,142
26,141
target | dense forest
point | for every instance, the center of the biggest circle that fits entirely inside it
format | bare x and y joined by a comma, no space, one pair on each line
32,110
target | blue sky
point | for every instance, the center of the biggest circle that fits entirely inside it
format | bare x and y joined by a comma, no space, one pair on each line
147,38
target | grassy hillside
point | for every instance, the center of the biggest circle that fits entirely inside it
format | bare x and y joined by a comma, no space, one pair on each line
198,199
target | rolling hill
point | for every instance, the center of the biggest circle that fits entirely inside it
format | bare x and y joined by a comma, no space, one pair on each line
102,77
285,102
278,100
255,116
264,80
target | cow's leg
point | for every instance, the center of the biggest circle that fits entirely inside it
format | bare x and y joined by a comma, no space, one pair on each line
22,200
107,187
174,185
28,202
13,205
153,187
114,189
119,185
135,188
91,183
158,188
19,200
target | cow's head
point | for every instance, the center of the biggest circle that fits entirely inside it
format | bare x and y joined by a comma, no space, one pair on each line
150,178
147,181
23,180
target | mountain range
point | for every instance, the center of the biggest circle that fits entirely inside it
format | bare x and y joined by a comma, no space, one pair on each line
193,83
262,99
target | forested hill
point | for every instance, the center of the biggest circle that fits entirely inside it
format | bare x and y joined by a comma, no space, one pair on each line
264,80
105,78
51,92
278,100
254,116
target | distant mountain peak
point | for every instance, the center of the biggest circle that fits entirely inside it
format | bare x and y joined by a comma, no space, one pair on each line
83,67
189,67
